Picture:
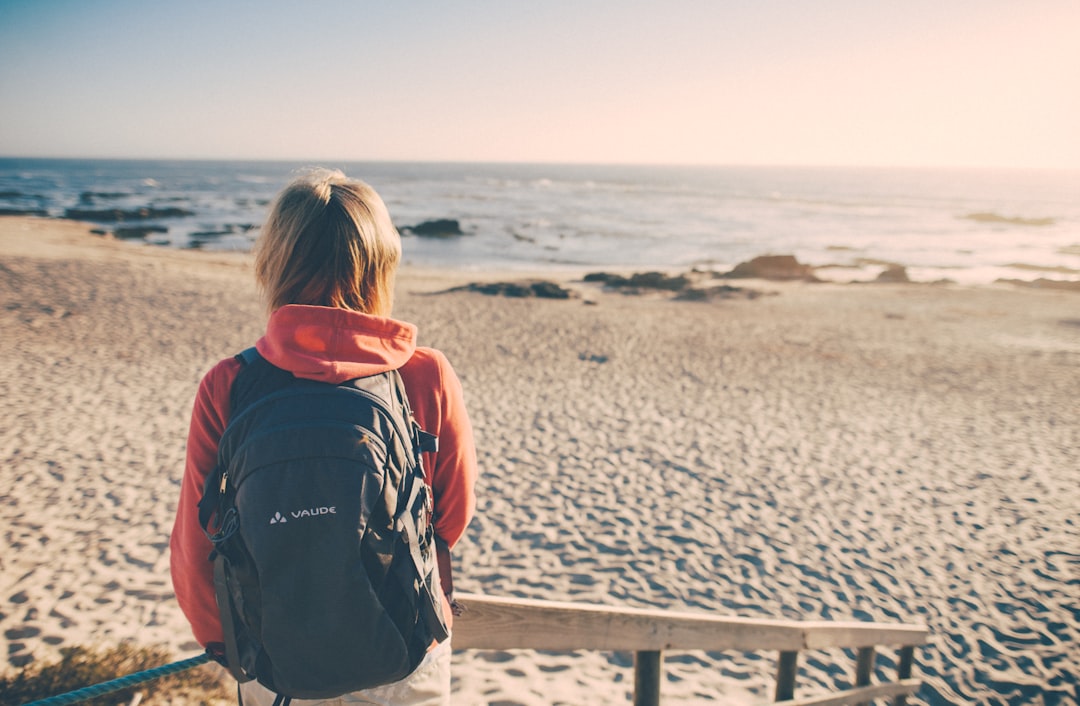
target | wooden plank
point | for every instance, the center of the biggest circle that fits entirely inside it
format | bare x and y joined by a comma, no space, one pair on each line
823,634
519,623
786,670
858,695
648,675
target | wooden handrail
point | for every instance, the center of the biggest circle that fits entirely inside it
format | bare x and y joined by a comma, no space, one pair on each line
494,623
508,623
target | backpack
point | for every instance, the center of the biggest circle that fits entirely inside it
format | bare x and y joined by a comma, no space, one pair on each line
324,561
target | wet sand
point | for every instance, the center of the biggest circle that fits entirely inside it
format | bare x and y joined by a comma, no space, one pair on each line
889,452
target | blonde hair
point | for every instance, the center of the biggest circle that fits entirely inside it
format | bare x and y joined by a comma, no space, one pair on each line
328,241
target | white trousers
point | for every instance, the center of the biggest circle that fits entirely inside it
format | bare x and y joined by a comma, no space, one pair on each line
428,685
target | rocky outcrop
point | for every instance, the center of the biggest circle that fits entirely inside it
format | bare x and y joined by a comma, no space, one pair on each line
89,197
438,228
640,281
773,267
1044,283
893,273
23,212
989,217
542,289
717,293
136,232
693,286
119,215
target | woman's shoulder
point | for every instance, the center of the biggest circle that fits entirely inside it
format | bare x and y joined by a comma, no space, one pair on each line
218,380
428,364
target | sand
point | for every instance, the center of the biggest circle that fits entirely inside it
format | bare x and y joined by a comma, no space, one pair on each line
892,452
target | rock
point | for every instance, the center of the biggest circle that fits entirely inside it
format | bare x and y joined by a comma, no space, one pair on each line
723,291
550,290
540,289
641,280
23,212
986,217
893,273
136,232
119,215
88,197
774,267
1043,283
438,228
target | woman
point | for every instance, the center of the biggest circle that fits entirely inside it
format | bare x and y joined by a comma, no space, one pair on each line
325,263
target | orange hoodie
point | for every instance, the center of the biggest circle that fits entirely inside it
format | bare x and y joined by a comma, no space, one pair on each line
331,345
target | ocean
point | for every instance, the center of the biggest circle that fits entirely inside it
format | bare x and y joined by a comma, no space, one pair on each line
969,226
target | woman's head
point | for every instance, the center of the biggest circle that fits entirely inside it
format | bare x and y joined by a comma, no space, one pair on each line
328,241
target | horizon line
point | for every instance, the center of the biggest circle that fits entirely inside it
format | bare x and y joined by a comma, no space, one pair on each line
509,162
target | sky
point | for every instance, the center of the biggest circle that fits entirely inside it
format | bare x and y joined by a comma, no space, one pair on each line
968,83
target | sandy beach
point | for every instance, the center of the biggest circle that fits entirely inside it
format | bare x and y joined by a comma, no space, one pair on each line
892,452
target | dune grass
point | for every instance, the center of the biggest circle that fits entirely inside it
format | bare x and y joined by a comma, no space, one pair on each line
82,666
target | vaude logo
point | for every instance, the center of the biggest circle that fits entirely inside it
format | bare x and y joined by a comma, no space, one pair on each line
297,514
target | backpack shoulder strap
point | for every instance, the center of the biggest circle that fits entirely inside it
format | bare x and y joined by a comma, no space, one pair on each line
248,355
422,440
257,377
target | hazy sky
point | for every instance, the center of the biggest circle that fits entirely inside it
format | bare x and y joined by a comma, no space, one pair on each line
825,82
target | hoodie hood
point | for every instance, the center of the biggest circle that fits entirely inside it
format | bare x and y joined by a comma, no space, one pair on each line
333,345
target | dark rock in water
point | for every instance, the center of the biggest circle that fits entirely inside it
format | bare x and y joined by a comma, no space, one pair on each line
88,197
119,215
23,212
775,267
641,280
438,228
136,232
893,273
228,229
540,288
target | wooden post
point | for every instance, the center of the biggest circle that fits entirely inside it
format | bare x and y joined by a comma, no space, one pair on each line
647,676
864,667
786,671
903,670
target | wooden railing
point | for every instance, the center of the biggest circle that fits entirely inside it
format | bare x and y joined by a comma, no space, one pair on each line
515,623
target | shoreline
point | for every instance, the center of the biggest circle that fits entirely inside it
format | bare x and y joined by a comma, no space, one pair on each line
971,227
893,452
77,238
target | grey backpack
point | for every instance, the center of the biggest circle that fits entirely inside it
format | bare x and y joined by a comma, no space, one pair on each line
324,555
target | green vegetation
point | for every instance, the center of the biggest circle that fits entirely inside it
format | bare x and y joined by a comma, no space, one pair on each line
79,667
